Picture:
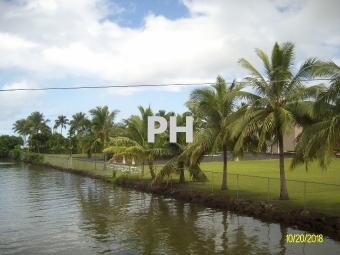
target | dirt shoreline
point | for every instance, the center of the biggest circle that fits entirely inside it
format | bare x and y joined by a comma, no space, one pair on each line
259,210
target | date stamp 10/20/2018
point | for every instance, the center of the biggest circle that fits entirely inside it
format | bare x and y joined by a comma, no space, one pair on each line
304,238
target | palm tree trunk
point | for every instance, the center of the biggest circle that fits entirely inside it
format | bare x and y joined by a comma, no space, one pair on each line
283,187
180,166
152,172
224,185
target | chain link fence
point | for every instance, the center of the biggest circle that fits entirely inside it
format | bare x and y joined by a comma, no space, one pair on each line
303,194
256,188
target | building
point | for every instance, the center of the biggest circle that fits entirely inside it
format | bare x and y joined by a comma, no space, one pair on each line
288,141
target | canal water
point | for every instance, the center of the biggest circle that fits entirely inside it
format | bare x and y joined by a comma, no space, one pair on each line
46,211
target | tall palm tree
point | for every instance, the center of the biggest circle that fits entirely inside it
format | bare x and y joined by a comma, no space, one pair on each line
79,123
61,122
36,123
279,103
320,140
215,105
102,124
21,127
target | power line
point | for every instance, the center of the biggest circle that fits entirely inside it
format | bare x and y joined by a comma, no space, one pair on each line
142,85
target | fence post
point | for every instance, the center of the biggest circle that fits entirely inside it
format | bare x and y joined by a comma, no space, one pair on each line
212,182
141,174
268,190
305,197
237,186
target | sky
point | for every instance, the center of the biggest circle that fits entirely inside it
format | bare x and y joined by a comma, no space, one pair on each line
63,43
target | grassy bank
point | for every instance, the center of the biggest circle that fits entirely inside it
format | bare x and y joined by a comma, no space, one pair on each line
257,180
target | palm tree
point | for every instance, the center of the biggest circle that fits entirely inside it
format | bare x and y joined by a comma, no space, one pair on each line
136,143
320,140
279,103
36,123
61,122
215,105
79,123
21,127
102,124
176,150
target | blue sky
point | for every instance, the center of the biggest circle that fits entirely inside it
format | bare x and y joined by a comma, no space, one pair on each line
62,43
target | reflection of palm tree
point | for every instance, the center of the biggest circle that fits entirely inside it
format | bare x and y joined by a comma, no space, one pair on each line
279,104
283,241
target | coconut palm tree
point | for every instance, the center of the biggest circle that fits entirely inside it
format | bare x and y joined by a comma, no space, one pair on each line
136,143
175,150
79,123
61,122
215,105
280,100
322,139
102,124
21,127
36,123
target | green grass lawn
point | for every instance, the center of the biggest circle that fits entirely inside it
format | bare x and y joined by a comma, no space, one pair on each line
249,179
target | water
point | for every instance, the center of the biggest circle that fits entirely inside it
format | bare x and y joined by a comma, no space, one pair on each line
45,211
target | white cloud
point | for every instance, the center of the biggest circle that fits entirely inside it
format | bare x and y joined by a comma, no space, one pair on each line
58,38
49,39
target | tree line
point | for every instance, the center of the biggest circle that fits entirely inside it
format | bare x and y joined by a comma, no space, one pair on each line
251,115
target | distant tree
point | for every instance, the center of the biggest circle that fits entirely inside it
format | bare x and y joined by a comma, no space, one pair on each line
36,124
102,126
21,127
79,123
8,143
61,122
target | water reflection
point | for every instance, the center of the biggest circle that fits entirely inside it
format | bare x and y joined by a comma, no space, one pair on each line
45,211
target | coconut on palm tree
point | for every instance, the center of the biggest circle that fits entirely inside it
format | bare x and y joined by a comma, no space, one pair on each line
280,100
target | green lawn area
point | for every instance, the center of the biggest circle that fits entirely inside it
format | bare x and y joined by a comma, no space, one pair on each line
249,179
